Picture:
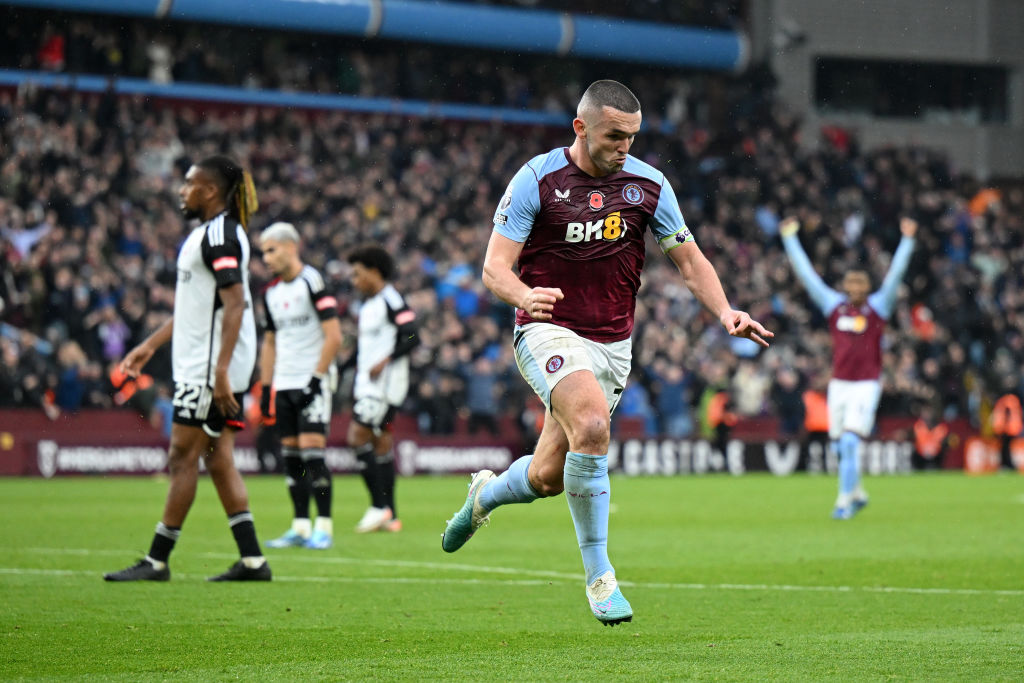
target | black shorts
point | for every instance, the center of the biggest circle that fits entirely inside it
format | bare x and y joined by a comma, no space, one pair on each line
292,419
373,413
194,407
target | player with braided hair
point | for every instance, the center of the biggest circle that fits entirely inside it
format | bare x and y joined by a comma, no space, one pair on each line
213,353
236,185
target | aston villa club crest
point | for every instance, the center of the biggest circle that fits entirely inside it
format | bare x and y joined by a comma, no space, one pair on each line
596,200
632,193
554,364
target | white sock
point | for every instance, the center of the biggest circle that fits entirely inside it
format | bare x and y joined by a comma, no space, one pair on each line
325,525
254,562
157,564
303,527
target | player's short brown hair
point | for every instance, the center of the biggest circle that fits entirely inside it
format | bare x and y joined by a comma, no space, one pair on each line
607,93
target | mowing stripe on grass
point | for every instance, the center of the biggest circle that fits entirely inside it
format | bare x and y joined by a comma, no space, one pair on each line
548,578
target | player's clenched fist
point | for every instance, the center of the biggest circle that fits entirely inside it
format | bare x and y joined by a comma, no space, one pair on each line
540,301
908,226
789,226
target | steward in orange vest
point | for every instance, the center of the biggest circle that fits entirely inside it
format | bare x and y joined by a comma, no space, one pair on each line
929,441
1007,419
1007,424
815,412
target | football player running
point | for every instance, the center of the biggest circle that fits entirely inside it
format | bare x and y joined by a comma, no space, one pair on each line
574,220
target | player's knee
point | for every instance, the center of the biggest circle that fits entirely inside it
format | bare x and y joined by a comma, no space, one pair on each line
215,462
547,481
590,432
180,458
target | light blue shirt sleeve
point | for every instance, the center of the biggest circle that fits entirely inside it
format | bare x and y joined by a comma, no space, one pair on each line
826,298
667,223
885,298
519,206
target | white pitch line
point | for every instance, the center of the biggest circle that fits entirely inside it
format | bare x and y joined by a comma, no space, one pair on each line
325,559
412,564
42,572
543,577
26,571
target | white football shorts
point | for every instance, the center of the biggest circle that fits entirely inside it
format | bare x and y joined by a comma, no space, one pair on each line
547,353
852,405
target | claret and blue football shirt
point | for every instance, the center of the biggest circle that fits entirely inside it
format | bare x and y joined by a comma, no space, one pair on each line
585,235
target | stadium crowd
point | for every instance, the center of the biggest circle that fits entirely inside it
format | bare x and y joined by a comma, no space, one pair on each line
165,52
89,228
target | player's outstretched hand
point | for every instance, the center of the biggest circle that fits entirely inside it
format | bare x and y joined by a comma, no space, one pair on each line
540,301
740,324
908,226
789,226
133,363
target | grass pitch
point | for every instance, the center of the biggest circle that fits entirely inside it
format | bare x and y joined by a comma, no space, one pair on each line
730,579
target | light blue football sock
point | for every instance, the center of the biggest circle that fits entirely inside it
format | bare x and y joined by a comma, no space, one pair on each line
511,486
849,467
588,492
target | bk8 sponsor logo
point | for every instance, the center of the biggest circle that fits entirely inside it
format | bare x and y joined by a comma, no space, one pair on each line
856,324
609,228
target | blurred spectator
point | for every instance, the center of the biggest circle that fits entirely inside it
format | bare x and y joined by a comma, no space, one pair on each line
482,396
787,398
162,414
71,383
10,386
750,387
111,331
532,419
673,405
716,409
51,51
436,405
635,406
